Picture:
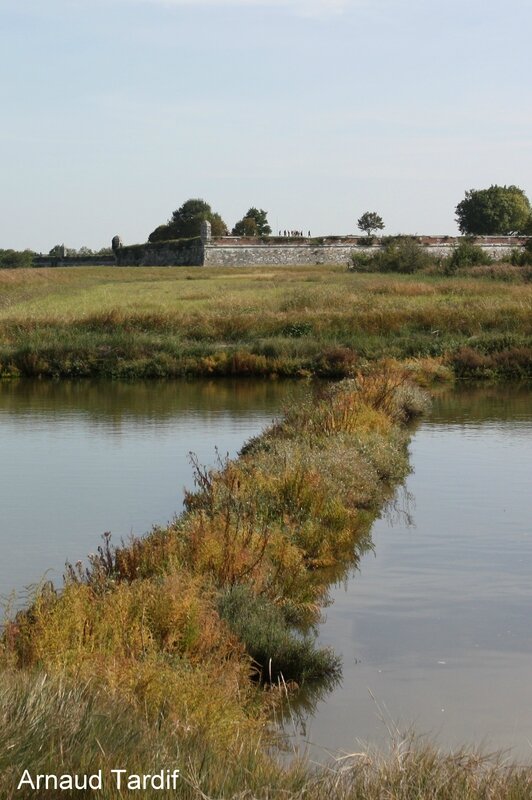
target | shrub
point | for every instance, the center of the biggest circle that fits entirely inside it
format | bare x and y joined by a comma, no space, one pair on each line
522,258
363,262
399,254
466,254
278,651
404,254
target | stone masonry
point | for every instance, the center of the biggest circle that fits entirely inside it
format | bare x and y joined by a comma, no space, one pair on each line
238,251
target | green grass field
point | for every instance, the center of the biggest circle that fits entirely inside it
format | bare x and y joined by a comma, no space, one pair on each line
147,322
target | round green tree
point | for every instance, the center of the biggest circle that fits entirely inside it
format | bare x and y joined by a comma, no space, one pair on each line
499,210
186,222
253,223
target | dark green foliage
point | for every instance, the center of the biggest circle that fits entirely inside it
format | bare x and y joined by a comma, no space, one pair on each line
404,254
499,210
522,258
466,254
399,254
161,233
271,642
369,222
16,259
364,262
246,227
186,222
253,223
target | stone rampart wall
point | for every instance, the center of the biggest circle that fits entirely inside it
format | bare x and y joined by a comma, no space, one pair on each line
233,251
274,251
272,254
179,253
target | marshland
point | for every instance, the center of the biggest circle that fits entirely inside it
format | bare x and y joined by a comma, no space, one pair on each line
292,322
184,646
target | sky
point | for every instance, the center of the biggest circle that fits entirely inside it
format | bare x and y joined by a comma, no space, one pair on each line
114,112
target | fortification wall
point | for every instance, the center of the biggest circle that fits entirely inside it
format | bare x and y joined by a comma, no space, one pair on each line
237,251
234,251
222,253
178,253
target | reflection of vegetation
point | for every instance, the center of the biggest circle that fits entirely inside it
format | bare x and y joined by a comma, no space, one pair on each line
114,401
298,707
482,402
398,510
142,623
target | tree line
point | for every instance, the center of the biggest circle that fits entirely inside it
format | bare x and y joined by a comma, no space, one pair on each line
496,211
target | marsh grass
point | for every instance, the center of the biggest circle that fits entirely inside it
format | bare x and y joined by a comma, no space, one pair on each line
52,726
154,322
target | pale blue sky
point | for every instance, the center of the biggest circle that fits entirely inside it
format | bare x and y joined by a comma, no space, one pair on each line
115,112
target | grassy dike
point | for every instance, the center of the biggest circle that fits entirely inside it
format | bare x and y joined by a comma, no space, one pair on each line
287,321
175,649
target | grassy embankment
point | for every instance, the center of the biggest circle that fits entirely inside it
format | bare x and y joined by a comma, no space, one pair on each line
149,322
174,649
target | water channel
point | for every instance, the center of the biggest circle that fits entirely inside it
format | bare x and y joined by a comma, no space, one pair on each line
435,627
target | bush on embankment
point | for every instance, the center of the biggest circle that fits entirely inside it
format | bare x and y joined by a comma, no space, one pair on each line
402,254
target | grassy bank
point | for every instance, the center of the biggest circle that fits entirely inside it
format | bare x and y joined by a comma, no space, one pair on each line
165,322
41,717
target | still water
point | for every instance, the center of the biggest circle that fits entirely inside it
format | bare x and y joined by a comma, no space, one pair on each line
79,459
435,627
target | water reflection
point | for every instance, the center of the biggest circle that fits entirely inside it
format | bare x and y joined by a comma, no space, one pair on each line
81,458
400,508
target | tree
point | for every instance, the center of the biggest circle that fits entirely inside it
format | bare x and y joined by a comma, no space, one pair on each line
499,210
246,227
186,221
16,259
370,221
254,223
